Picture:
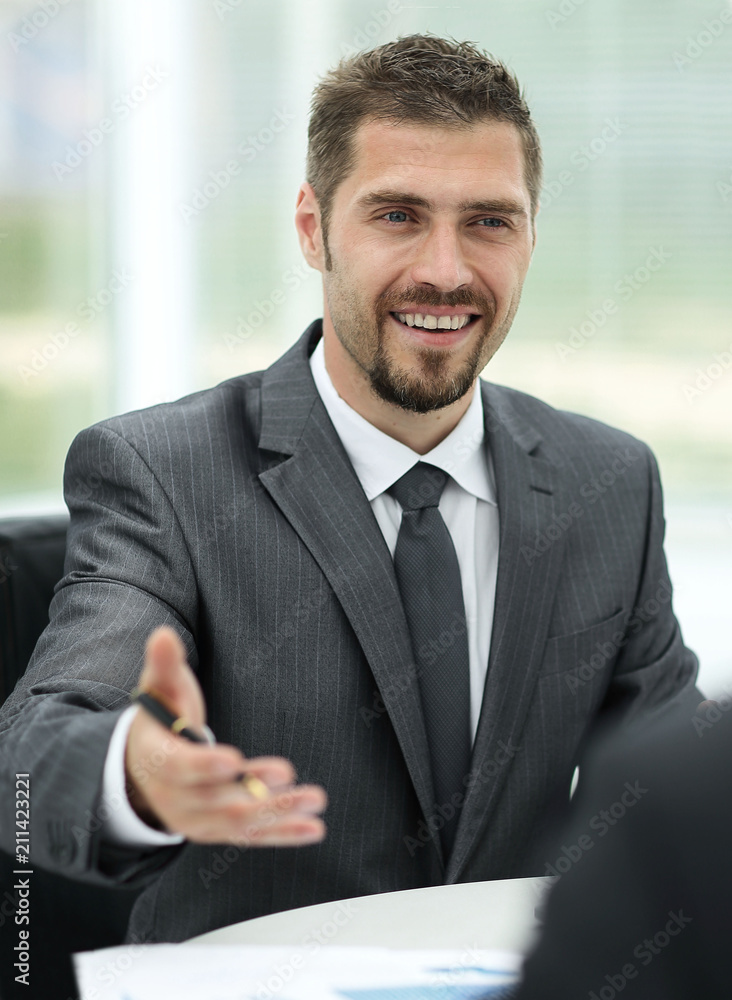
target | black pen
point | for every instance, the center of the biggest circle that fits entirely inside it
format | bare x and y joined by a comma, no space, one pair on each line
179,726
157,709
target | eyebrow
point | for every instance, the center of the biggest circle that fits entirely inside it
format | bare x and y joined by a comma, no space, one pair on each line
502,206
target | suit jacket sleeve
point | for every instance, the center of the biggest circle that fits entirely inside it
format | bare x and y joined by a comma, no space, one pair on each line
127,571
654,670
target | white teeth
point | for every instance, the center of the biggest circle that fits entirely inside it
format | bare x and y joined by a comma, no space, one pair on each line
429,322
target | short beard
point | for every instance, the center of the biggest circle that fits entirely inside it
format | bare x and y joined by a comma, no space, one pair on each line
431,390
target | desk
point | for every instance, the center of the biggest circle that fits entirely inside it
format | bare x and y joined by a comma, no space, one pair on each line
498,914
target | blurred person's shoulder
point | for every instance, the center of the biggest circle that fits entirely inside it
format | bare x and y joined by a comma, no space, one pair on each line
682,752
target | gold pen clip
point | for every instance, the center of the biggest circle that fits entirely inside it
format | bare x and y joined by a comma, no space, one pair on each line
255,786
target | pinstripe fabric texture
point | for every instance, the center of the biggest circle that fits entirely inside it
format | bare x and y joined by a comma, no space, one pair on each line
234,516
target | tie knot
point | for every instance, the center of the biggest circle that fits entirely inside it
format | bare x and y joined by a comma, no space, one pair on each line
421,487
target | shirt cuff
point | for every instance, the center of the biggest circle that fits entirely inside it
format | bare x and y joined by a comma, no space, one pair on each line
122,824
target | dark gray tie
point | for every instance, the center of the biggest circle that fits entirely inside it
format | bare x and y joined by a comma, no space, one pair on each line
428,575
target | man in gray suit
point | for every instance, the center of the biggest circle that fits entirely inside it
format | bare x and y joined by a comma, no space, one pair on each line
249,536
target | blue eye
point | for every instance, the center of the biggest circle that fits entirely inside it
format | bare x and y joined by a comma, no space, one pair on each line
497,223
396,211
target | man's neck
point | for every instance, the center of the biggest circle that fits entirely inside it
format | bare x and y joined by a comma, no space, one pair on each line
419,431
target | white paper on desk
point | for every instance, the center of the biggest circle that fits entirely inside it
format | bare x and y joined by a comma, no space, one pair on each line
258,972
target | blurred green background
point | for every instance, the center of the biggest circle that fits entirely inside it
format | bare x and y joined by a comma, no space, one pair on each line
632,102
663,180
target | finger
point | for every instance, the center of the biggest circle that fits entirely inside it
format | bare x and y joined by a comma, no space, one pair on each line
277,831
200,765
166,673
273,771
300,800
231,803
289,834
186,765
229,818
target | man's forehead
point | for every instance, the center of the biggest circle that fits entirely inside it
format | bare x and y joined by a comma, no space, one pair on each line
388,156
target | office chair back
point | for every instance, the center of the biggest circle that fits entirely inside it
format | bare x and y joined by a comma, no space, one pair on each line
66,916
31,563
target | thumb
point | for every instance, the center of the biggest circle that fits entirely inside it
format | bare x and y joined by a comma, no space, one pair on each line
166,674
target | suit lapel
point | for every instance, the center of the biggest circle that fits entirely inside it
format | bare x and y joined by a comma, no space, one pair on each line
529,495
317,490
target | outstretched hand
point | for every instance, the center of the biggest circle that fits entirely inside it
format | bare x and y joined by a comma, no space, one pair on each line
192,788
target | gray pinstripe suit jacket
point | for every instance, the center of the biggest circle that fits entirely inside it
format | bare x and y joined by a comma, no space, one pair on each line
235,516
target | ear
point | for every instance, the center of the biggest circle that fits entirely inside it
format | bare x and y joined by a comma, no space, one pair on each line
307,223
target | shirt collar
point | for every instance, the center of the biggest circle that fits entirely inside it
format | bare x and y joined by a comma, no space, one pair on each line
379,460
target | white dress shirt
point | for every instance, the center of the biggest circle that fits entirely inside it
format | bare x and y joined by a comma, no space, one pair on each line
469,509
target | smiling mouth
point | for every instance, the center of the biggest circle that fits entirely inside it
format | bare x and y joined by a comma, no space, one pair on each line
428,321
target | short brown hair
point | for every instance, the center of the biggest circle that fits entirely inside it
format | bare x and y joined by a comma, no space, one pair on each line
417,79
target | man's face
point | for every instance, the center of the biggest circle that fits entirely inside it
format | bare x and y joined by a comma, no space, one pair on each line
430,238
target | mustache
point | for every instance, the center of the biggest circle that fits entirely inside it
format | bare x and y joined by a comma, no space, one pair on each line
459,298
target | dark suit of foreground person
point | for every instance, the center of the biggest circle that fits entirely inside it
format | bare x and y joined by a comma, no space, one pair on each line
235,518
646,912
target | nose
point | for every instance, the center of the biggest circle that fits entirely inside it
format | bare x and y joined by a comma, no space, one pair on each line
440,259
